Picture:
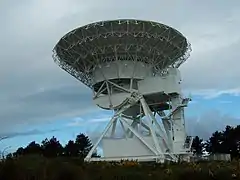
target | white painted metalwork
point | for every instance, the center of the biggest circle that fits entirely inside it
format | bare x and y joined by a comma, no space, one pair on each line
83,49
131,66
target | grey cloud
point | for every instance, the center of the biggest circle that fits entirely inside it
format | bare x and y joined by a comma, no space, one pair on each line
47,105
218,71
27,133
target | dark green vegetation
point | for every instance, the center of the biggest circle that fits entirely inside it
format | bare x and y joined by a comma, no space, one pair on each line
61,168
51,148
52,161
223,142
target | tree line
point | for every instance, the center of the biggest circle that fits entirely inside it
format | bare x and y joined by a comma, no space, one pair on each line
220,142
53,148
226,141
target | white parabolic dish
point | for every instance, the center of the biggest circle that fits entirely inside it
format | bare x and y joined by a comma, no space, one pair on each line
83,49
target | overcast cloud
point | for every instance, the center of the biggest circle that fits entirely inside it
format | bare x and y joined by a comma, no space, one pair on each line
33,88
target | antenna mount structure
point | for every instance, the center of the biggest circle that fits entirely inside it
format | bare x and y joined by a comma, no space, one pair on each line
132,68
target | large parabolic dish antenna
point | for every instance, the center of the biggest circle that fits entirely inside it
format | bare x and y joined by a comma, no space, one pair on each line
131,66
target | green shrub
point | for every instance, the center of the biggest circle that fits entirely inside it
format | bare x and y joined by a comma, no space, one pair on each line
66,168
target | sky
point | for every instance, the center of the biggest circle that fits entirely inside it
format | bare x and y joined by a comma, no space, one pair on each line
38,100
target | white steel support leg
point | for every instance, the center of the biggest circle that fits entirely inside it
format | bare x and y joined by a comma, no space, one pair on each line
116,116
143,125
114,127
124,130
139,136
151,120
100,138
134,124
148,114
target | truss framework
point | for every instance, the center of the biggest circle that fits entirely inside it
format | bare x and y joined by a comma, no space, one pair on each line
151,125
82,50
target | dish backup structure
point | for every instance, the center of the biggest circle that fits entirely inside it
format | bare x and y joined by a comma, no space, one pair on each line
131,67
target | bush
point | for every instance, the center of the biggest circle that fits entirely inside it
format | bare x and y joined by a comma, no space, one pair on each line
66,168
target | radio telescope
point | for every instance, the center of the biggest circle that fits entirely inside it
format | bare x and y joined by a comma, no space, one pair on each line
132,68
